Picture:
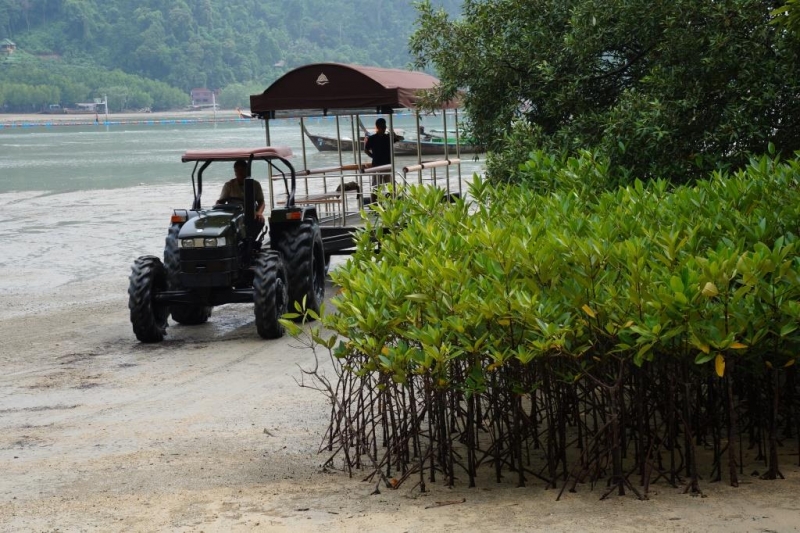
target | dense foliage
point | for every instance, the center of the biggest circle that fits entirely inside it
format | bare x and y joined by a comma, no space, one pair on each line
568,334
210,43
664,89
28,85
788,15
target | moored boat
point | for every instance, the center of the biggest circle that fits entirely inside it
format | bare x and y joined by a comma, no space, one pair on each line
410,147
244,114
325,143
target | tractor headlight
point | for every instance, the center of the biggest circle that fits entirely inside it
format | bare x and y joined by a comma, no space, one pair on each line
203,242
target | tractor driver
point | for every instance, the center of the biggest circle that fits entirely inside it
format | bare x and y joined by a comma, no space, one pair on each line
234,189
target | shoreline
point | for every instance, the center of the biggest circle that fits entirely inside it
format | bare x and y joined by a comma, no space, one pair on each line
23,120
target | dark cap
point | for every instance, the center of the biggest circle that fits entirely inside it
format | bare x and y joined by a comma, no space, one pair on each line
240,163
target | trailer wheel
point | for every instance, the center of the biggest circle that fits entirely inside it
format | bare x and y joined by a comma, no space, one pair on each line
301,247
270,295
149,318
186,314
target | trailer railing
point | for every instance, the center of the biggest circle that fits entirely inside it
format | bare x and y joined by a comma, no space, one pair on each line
342,192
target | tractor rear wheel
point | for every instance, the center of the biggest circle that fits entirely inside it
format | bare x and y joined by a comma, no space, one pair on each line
149,318
186,314
270,296
301,247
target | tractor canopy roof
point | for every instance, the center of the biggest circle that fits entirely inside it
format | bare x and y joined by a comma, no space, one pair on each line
232,154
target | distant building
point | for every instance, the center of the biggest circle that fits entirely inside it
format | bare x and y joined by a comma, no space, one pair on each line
7,47
89,107
203,97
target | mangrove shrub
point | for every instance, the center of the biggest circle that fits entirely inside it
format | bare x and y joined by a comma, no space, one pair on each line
570,335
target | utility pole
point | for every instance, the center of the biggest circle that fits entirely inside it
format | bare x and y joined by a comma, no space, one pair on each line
105,102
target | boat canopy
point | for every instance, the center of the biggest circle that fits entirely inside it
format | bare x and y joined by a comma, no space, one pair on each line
265,152
340,89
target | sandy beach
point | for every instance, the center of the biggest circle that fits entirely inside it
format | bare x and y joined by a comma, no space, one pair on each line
209,430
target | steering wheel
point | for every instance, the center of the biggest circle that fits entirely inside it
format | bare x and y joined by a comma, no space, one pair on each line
229,204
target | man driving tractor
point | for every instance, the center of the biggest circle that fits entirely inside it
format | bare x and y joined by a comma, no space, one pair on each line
234,189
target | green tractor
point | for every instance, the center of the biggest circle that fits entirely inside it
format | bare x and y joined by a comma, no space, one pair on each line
224,254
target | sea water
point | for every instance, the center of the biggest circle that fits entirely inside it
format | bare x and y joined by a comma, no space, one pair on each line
82,158
79,203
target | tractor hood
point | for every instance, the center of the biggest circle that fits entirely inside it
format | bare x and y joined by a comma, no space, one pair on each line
211,224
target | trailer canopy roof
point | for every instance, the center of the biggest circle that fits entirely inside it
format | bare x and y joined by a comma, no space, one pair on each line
338,89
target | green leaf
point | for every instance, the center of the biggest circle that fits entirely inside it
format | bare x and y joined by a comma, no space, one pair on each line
703,358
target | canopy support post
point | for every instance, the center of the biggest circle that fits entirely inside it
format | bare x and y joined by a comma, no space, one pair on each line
446,154
458,151
339,140
419,147
391,147
269,169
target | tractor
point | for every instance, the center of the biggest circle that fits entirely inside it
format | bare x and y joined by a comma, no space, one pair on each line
222,254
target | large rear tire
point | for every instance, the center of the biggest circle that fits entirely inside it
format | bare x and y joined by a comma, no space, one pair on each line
187,314
327,263
270,296
304,256
148,317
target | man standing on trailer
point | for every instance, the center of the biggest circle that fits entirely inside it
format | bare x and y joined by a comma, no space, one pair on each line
378,147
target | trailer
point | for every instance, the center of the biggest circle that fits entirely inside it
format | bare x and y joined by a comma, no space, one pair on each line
341,192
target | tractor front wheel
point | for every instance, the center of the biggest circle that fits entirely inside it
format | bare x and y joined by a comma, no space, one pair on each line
270,294
303,253
187,314
148,317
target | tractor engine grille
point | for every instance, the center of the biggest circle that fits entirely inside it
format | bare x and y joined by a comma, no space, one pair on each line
208,267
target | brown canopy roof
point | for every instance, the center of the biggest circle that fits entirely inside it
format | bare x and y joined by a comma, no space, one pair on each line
324,87
232,154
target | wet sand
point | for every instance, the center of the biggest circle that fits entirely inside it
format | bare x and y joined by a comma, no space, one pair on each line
209,431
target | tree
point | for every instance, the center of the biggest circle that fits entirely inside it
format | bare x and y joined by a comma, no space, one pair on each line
789,15
200,43
140,100
238,95
668,89
118,96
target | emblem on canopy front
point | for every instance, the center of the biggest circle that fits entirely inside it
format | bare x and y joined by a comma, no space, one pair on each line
322,80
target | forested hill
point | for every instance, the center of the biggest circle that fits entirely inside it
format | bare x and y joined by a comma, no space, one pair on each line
206,43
